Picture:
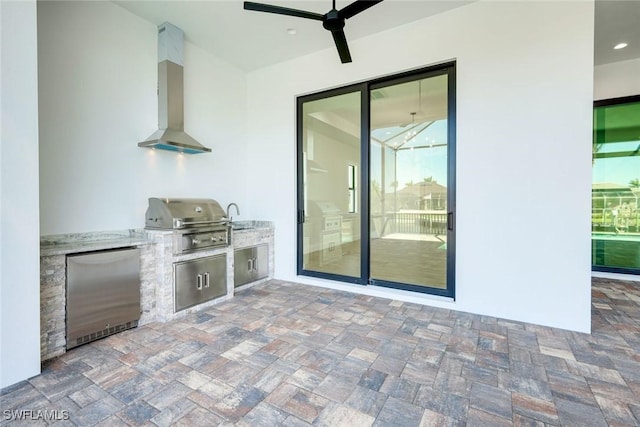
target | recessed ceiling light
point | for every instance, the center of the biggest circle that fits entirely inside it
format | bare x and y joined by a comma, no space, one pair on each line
291,31
621,46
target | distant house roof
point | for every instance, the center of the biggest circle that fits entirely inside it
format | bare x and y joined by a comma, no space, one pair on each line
610,186
422,189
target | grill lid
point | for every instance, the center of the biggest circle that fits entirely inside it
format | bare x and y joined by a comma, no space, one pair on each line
183,213
323,208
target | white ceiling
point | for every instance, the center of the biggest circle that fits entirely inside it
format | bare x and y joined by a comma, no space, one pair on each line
617,21
251,40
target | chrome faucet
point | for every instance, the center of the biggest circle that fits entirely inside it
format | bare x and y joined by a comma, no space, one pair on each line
237,210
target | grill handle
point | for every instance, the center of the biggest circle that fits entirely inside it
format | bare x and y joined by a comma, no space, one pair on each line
180,223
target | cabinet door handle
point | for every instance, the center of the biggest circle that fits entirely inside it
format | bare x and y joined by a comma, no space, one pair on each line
250,264
206,279
199,282
255,264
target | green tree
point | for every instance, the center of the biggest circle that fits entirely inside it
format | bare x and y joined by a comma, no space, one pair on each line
635,183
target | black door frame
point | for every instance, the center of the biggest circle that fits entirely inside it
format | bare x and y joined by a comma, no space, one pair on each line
365,89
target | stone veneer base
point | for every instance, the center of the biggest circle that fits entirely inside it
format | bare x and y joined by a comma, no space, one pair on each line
156,274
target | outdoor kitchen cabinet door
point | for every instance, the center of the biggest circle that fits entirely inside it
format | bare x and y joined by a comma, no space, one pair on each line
200,280
250,264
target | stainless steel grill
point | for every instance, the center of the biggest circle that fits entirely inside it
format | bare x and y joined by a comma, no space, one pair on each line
328,213
198,224
169,214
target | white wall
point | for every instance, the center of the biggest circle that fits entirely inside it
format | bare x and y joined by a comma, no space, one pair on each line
98,79
524,96
19,234
617,79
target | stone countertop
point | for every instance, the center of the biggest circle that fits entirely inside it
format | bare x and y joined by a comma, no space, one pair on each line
64,244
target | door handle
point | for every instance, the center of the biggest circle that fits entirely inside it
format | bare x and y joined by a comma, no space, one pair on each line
206,279
250,264
199,282
450,221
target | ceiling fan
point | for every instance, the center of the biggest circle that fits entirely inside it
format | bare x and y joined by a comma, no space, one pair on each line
332,20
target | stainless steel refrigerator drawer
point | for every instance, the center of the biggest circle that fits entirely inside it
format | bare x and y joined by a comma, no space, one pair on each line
103,294
200,280
250,264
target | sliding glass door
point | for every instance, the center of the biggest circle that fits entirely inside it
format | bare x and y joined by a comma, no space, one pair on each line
376,182
409,182
329,168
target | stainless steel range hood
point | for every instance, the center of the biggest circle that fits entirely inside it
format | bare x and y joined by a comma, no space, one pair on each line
171,134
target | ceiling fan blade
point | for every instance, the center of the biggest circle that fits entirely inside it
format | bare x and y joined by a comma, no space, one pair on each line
356,7
260,7
341,44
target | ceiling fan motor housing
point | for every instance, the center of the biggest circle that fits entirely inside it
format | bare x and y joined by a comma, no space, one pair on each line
332,21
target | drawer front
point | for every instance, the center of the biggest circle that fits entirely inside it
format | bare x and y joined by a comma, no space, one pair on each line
200,280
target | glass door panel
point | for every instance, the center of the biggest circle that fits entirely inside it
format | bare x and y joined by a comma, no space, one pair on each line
615,201
331,150
408,183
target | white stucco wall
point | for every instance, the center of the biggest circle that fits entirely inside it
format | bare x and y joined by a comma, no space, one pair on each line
617,79
19,232
524,97
98,80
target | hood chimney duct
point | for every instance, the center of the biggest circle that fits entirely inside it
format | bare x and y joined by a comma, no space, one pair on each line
170,134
